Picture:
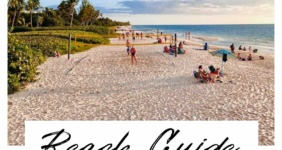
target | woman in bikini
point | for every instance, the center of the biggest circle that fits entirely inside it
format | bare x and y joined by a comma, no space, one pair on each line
133,52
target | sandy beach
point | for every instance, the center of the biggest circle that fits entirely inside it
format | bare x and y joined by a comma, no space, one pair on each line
101,84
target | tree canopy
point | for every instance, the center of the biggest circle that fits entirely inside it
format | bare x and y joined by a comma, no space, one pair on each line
21,13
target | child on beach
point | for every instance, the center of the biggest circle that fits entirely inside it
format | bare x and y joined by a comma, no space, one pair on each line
165,38
133,52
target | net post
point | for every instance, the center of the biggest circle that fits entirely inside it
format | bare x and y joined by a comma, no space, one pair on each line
69,48
175,48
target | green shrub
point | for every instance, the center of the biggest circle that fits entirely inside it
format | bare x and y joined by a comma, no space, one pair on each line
22,63
26,50
94,29
22,29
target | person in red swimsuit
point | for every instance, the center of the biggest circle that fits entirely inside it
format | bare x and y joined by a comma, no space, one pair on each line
133,57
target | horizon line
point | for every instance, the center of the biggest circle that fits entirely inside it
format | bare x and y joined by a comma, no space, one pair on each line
212,24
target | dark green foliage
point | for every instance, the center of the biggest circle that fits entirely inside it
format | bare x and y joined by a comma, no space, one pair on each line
22,63
109,22
22,29
94,29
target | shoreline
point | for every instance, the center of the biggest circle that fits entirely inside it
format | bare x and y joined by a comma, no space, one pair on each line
264,48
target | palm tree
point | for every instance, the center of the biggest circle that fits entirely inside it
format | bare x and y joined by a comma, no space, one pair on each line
16,6
72,3
30,6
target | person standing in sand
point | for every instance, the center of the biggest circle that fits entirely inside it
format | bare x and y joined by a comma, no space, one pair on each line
232,47
127,46
165,38
250,48
141,35
133,53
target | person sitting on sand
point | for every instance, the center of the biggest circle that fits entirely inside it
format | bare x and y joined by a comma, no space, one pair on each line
127,46
133,38
215,75
170,45
171,50
57,54
200,70
202,74
166,50
240,47
159,40
133,52
261,57
249,57
180,49
244,49
239,56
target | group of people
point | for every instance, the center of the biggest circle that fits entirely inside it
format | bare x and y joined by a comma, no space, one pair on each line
249,58
133,35
206,77
131,51
232,48
171,49
244,49
187,35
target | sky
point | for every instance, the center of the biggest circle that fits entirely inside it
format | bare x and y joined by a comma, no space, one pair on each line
147,12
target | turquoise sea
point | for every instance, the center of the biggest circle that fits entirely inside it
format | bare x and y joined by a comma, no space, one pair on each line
259,36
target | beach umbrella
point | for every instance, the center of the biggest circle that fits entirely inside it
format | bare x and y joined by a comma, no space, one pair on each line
224,54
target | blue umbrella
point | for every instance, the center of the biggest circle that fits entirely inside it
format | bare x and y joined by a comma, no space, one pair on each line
220,53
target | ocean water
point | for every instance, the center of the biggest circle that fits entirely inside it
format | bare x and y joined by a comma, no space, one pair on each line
259,36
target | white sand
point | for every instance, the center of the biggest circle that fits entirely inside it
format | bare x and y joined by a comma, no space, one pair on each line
101,84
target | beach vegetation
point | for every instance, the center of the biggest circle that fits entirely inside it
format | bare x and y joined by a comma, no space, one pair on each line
22,63
36,32
27,50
